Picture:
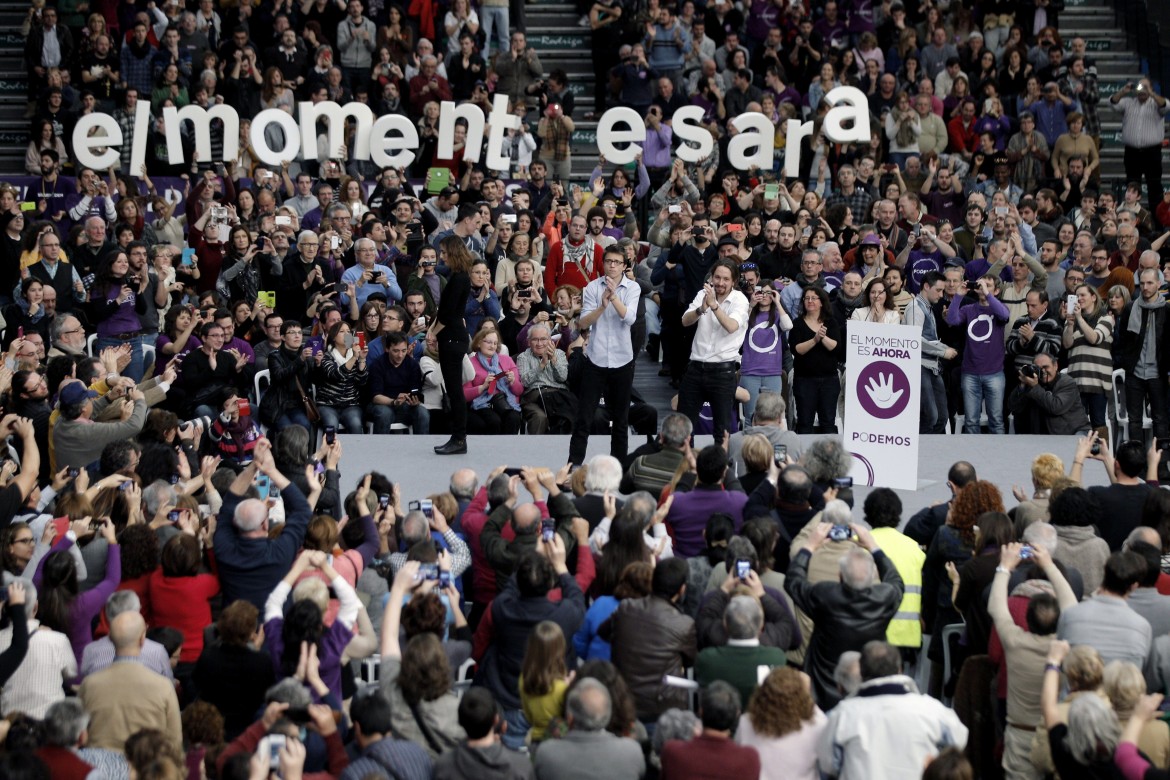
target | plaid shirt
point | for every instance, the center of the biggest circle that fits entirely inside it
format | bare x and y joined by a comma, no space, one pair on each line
557,137
858,203
138,73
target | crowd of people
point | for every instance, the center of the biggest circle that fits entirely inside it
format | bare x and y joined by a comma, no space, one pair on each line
192,591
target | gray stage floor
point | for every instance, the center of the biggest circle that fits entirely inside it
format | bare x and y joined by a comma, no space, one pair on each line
1004,460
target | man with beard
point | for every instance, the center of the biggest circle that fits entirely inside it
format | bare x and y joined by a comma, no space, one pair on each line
596,218
849,296
933,413
576,260
539,189
30,394
942,193
922,256
784,260
52,193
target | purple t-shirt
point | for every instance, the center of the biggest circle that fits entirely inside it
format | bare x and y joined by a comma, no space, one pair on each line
329,650
984,351
162,360
763,348
918,264
123,319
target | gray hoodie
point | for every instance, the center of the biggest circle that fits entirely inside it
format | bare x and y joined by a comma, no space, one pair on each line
494,762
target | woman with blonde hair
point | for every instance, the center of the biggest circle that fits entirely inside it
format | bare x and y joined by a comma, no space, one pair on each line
784,725
1124,685
757,453
1080,733
1046,469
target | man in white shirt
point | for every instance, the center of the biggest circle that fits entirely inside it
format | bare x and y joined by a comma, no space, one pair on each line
721,312
609,308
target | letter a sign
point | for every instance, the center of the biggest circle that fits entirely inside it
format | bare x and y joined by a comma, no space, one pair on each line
882,397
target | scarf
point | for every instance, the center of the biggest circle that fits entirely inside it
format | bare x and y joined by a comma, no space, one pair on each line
1149,346
494,387
340,358
140,52
581,255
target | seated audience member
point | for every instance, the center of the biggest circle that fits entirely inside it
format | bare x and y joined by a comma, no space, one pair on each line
713,752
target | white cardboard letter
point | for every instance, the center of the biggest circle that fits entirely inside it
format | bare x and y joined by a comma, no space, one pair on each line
757,132
687,124
608,135
84,143
448,114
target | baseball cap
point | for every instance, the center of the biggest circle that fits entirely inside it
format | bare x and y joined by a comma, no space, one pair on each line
75,393
727,241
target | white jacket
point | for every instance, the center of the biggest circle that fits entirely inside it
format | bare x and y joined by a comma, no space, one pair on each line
887,731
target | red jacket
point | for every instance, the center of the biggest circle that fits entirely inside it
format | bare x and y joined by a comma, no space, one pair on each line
961,139
183,603
558,272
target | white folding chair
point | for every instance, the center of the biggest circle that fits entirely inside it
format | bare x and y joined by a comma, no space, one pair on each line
266,375
89,344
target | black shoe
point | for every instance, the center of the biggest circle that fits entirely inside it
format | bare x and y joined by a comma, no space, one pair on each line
452,447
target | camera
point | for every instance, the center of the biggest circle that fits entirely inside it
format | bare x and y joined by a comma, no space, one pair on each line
842,482
548,530
428,571
840,533
1029,371
1095,449
383,501
524,294
1026,552
780,453
173,515
330,434
444,579
743,568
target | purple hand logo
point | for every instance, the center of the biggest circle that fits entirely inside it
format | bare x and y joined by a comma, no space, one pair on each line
883,389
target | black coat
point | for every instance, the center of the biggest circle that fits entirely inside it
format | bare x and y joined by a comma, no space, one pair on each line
845,618
1128,349
282,395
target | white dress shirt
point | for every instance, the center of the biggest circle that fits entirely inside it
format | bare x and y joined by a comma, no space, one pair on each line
713,344
609,339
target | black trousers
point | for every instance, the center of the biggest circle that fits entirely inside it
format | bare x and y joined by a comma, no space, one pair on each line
1145,161
714,383
614,384
1137,391
451,354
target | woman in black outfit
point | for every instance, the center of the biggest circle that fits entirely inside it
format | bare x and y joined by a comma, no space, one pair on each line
815,383
451,333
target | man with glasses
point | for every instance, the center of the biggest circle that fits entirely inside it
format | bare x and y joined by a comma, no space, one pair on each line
208,372
810,276
547,404
1128,251
368,278
304,276
52,272
1102,277
609,308
68,336
272,340
30,393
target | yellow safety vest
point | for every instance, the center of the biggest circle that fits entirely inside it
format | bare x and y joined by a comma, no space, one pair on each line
904,630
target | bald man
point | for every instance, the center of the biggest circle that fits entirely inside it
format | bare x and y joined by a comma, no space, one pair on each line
127,697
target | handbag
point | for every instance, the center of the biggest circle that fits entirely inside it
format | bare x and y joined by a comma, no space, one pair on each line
308,403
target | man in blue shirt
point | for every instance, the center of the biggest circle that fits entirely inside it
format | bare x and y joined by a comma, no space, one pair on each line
395,378
368,277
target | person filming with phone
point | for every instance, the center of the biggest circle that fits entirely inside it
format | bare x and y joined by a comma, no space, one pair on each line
848,613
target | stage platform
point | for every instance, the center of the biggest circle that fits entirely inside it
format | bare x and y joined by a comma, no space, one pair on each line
410,460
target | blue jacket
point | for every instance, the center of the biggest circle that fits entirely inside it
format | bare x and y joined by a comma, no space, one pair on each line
250,568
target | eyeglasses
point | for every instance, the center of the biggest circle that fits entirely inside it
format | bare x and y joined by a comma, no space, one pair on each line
28,540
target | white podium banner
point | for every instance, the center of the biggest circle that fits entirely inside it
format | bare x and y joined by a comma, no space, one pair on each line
882,388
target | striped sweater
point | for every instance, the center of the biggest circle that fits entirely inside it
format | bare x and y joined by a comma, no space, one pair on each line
1090,365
